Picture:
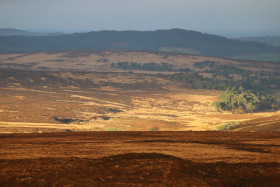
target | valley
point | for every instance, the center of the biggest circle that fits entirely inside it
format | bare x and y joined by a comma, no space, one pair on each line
103,118
82,91
139,93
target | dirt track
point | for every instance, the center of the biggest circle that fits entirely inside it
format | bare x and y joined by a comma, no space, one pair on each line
140,159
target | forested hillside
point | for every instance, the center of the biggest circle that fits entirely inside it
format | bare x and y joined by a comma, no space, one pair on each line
174,40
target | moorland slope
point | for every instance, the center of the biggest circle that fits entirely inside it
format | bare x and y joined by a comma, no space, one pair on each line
121,90
140,159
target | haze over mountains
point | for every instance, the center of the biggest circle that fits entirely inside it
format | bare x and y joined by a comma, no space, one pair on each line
268,40
17,32
174,40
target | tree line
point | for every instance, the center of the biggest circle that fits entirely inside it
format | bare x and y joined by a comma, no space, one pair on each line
247,78
152,66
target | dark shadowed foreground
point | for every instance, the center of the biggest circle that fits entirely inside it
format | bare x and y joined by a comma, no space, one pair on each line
140,159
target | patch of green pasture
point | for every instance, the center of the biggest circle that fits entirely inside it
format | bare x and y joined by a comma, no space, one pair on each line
226,126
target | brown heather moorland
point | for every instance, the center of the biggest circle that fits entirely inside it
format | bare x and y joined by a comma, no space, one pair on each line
140,159
56,111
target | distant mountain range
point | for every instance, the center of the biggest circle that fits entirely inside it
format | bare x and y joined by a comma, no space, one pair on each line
16,32
174,40
268,40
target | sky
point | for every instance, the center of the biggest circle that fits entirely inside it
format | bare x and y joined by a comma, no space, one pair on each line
231,18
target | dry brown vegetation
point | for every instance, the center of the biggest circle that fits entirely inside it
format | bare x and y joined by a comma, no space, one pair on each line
101,61
140,159
270,123
52,94
86,101
78,90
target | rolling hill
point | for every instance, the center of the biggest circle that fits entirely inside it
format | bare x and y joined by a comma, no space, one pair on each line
123,90
264,124
174,40
16,32
268,40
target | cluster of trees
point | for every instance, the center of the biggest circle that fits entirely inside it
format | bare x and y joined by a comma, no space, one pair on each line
217,69
152,66
196,81
260,82
206,64
242,101
256,82
247,78
223,76
237,100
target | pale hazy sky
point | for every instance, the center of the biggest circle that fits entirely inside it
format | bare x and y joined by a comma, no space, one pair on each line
225,17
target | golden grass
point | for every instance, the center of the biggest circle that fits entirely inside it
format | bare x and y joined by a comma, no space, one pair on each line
169,107
92,61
